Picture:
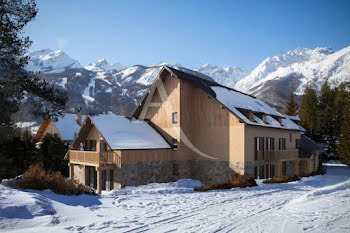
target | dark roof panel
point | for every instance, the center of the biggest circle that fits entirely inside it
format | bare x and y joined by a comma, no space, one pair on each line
307,146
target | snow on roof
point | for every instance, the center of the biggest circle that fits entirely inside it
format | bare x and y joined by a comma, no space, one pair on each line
235,100
68,126
123,133
293,118
231,98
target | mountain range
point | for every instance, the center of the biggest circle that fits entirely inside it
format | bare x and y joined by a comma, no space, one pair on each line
101,87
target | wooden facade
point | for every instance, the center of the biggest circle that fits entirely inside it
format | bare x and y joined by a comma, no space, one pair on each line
204,130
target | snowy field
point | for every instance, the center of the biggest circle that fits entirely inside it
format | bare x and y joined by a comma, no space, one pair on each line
315,204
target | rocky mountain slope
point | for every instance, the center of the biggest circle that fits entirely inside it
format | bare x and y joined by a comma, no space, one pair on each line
100,86
302,67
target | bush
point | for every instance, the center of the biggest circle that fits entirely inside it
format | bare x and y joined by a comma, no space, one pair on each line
235,181
282,179
38,179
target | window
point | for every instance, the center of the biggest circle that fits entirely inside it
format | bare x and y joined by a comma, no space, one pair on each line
290,137
174,117
256,148
297,143
270,143
90,145
259,145
103,146
281,143
262,172
267,171
284,168
176,169
255,172
272,170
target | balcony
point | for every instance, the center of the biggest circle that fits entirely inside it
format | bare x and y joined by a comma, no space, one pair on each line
95,158
278,154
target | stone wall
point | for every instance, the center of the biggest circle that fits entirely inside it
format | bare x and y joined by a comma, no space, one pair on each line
79,173
140,173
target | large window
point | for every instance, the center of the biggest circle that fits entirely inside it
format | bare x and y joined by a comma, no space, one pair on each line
174,117
281,143
90,145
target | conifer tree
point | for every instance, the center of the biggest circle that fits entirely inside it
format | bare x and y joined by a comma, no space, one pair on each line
339,106
15,81
327,117
309,114
344,138
292,106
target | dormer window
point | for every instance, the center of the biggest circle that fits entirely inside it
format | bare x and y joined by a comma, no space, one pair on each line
174,118
265,119
251,117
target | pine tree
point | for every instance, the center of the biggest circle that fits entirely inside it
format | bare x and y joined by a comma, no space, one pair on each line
344,139
15,82
51,153
339,106
292,106
309,114
327,117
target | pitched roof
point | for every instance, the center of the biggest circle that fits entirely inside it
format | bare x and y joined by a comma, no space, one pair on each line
235,100
39,134
67,126
122,133
307,146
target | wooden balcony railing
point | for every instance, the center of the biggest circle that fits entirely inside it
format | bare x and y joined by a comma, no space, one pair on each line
277,154
105,157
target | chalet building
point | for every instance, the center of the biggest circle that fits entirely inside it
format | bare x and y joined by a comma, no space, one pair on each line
65,127
196,128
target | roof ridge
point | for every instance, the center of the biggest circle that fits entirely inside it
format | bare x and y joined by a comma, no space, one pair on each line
213,83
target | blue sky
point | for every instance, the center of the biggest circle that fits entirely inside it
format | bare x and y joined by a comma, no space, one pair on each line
191,33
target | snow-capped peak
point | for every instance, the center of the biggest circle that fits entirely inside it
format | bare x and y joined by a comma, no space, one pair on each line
103,65
314,66
49,61
227,76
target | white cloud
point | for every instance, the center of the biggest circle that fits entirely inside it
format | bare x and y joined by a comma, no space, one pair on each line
61,42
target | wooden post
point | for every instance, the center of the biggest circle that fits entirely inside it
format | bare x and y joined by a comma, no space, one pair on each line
84,175
99,187
71,170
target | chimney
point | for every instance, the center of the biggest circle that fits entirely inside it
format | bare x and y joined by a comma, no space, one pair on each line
47,116
80,115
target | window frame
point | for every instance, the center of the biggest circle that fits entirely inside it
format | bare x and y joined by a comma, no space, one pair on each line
174,119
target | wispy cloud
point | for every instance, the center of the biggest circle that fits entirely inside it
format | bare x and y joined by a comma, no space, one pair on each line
61,42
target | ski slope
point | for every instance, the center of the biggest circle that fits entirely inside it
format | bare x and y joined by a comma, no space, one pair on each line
315,204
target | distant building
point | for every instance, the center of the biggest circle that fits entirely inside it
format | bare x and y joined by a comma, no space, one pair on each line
65,127
196,128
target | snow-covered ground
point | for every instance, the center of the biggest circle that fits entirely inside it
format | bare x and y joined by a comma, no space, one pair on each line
315,204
